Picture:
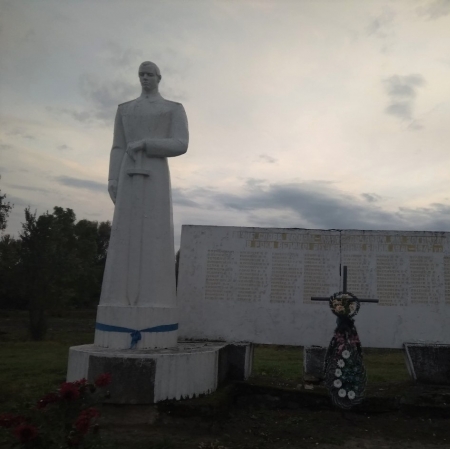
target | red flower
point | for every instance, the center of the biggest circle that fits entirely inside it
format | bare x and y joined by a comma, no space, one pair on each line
25,433
83,422
7,420
103,380
47,399
81,382
69,391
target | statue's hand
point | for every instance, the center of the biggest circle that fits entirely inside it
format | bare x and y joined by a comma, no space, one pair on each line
112,189
134,147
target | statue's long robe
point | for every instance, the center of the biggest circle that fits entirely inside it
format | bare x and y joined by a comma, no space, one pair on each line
140,268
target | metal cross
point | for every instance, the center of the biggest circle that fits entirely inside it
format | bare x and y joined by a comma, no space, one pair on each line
344,290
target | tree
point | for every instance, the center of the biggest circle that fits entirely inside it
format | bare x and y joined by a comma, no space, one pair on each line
48,261
103,235
5,208
92,245
56,264
10,280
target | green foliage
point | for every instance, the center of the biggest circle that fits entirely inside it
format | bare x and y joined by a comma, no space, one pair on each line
9,273
5,209
55,264
48,262
89,263
48,257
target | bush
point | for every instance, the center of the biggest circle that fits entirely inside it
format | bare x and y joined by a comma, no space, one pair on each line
62,419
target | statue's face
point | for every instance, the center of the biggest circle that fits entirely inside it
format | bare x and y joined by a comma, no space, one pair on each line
149,78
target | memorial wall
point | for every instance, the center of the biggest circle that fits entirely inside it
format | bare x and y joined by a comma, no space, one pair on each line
256,284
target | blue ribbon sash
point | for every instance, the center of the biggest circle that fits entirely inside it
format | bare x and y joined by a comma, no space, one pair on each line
135,334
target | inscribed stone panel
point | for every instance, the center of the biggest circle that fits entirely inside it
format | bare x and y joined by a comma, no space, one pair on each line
399,268
447,279
254,268
219,275
287,272
255,284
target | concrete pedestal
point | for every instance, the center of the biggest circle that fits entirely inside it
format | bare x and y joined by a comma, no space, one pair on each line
150,376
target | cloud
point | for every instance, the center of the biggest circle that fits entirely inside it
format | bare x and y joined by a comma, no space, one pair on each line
84,117
267,158
119,57
5,146
381,26
182,199
435,10
31,189
371,197
253,182
402,91
18,132
415,125
402,109
102,98
17,201
403,86
436,216
316,205
63,147
82,184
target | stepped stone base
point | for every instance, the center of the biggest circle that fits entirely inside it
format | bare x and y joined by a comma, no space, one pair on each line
150,376
428,363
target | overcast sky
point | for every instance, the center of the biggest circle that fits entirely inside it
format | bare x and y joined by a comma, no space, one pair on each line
311,114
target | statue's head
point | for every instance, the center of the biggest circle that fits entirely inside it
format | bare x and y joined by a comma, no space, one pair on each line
149,75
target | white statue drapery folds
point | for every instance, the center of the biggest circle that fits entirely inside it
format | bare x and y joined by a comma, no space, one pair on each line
139,282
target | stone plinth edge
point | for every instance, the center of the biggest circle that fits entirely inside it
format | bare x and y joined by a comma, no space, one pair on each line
150,376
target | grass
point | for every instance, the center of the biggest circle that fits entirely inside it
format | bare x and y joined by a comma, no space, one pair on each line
285,364
29,369
385,365
278,365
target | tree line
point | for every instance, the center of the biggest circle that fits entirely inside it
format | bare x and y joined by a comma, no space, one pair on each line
54,264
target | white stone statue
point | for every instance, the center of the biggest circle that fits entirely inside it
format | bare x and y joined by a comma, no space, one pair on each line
138,292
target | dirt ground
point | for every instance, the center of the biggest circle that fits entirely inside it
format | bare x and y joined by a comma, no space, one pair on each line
195,425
